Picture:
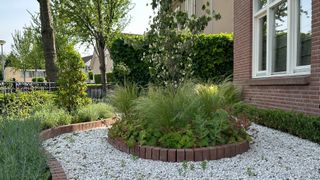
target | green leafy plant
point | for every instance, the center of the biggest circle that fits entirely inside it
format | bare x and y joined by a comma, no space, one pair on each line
71,79
22,104
50,116
186,116
21,155
93,112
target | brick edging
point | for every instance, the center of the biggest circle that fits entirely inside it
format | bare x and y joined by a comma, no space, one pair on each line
180,155
56,170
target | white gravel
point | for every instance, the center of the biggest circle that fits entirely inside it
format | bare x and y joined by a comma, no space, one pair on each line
272,155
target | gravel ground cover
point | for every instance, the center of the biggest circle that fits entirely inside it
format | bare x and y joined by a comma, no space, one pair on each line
272,155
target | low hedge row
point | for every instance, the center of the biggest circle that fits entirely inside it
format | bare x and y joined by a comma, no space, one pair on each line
295,123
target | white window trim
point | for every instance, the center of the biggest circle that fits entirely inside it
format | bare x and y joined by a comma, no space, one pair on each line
292,41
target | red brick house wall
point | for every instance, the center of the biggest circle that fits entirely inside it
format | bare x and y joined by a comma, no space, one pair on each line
298,93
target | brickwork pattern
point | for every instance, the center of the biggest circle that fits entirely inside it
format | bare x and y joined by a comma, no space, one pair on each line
180,155
302,98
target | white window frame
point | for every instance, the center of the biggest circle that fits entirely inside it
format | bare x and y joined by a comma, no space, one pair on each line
292,40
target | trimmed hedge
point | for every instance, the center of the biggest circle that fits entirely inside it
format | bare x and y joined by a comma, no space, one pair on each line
97,78
212,61
39,79
129,50
295,123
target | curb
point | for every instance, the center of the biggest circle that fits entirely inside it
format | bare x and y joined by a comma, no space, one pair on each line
180,155
56,170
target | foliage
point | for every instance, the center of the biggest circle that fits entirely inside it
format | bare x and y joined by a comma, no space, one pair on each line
27,50
39,79
170,53
71,79
51,116
90,75
22,104
298,124
93,112
96,22
21,155
211,60
123,98
97,78
213,57
187,116
126,53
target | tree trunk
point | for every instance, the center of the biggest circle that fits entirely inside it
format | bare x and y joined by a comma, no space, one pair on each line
102,59
48,40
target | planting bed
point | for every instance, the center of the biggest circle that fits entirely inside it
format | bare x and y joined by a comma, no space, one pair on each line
272,155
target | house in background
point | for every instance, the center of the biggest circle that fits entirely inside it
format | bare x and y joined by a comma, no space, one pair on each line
92,64
277,53
19,74
224,7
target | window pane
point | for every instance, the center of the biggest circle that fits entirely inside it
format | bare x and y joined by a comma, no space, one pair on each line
262,4
280,37
305,33
263,43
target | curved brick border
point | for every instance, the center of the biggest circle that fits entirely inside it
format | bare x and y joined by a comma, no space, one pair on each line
57,172
180,155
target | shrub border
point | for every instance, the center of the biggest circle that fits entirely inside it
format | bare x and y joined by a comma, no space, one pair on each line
56,170
180,155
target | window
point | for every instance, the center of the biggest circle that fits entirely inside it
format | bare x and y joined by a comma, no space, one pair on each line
281,37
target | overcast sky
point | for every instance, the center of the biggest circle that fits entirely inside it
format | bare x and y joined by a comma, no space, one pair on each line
14,16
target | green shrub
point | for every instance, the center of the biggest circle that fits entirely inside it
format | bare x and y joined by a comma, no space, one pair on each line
39,79
126,53
51,116
93,112
22,103
21,155
71,79
295,123
90,74
184,117
97,78
212,58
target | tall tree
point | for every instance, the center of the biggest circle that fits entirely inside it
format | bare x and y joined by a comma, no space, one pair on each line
48,39
96,22
26,51
171,41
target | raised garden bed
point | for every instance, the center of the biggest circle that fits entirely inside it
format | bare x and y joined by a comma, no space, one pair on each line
180,155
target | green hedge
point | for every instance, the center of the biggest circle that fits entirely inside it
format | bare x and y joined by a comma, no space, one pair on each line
212,60
295,123
39,79
97,78
129,50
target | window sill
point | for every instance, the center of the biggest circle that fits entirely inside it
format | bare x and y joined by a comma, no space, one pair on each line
280,81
